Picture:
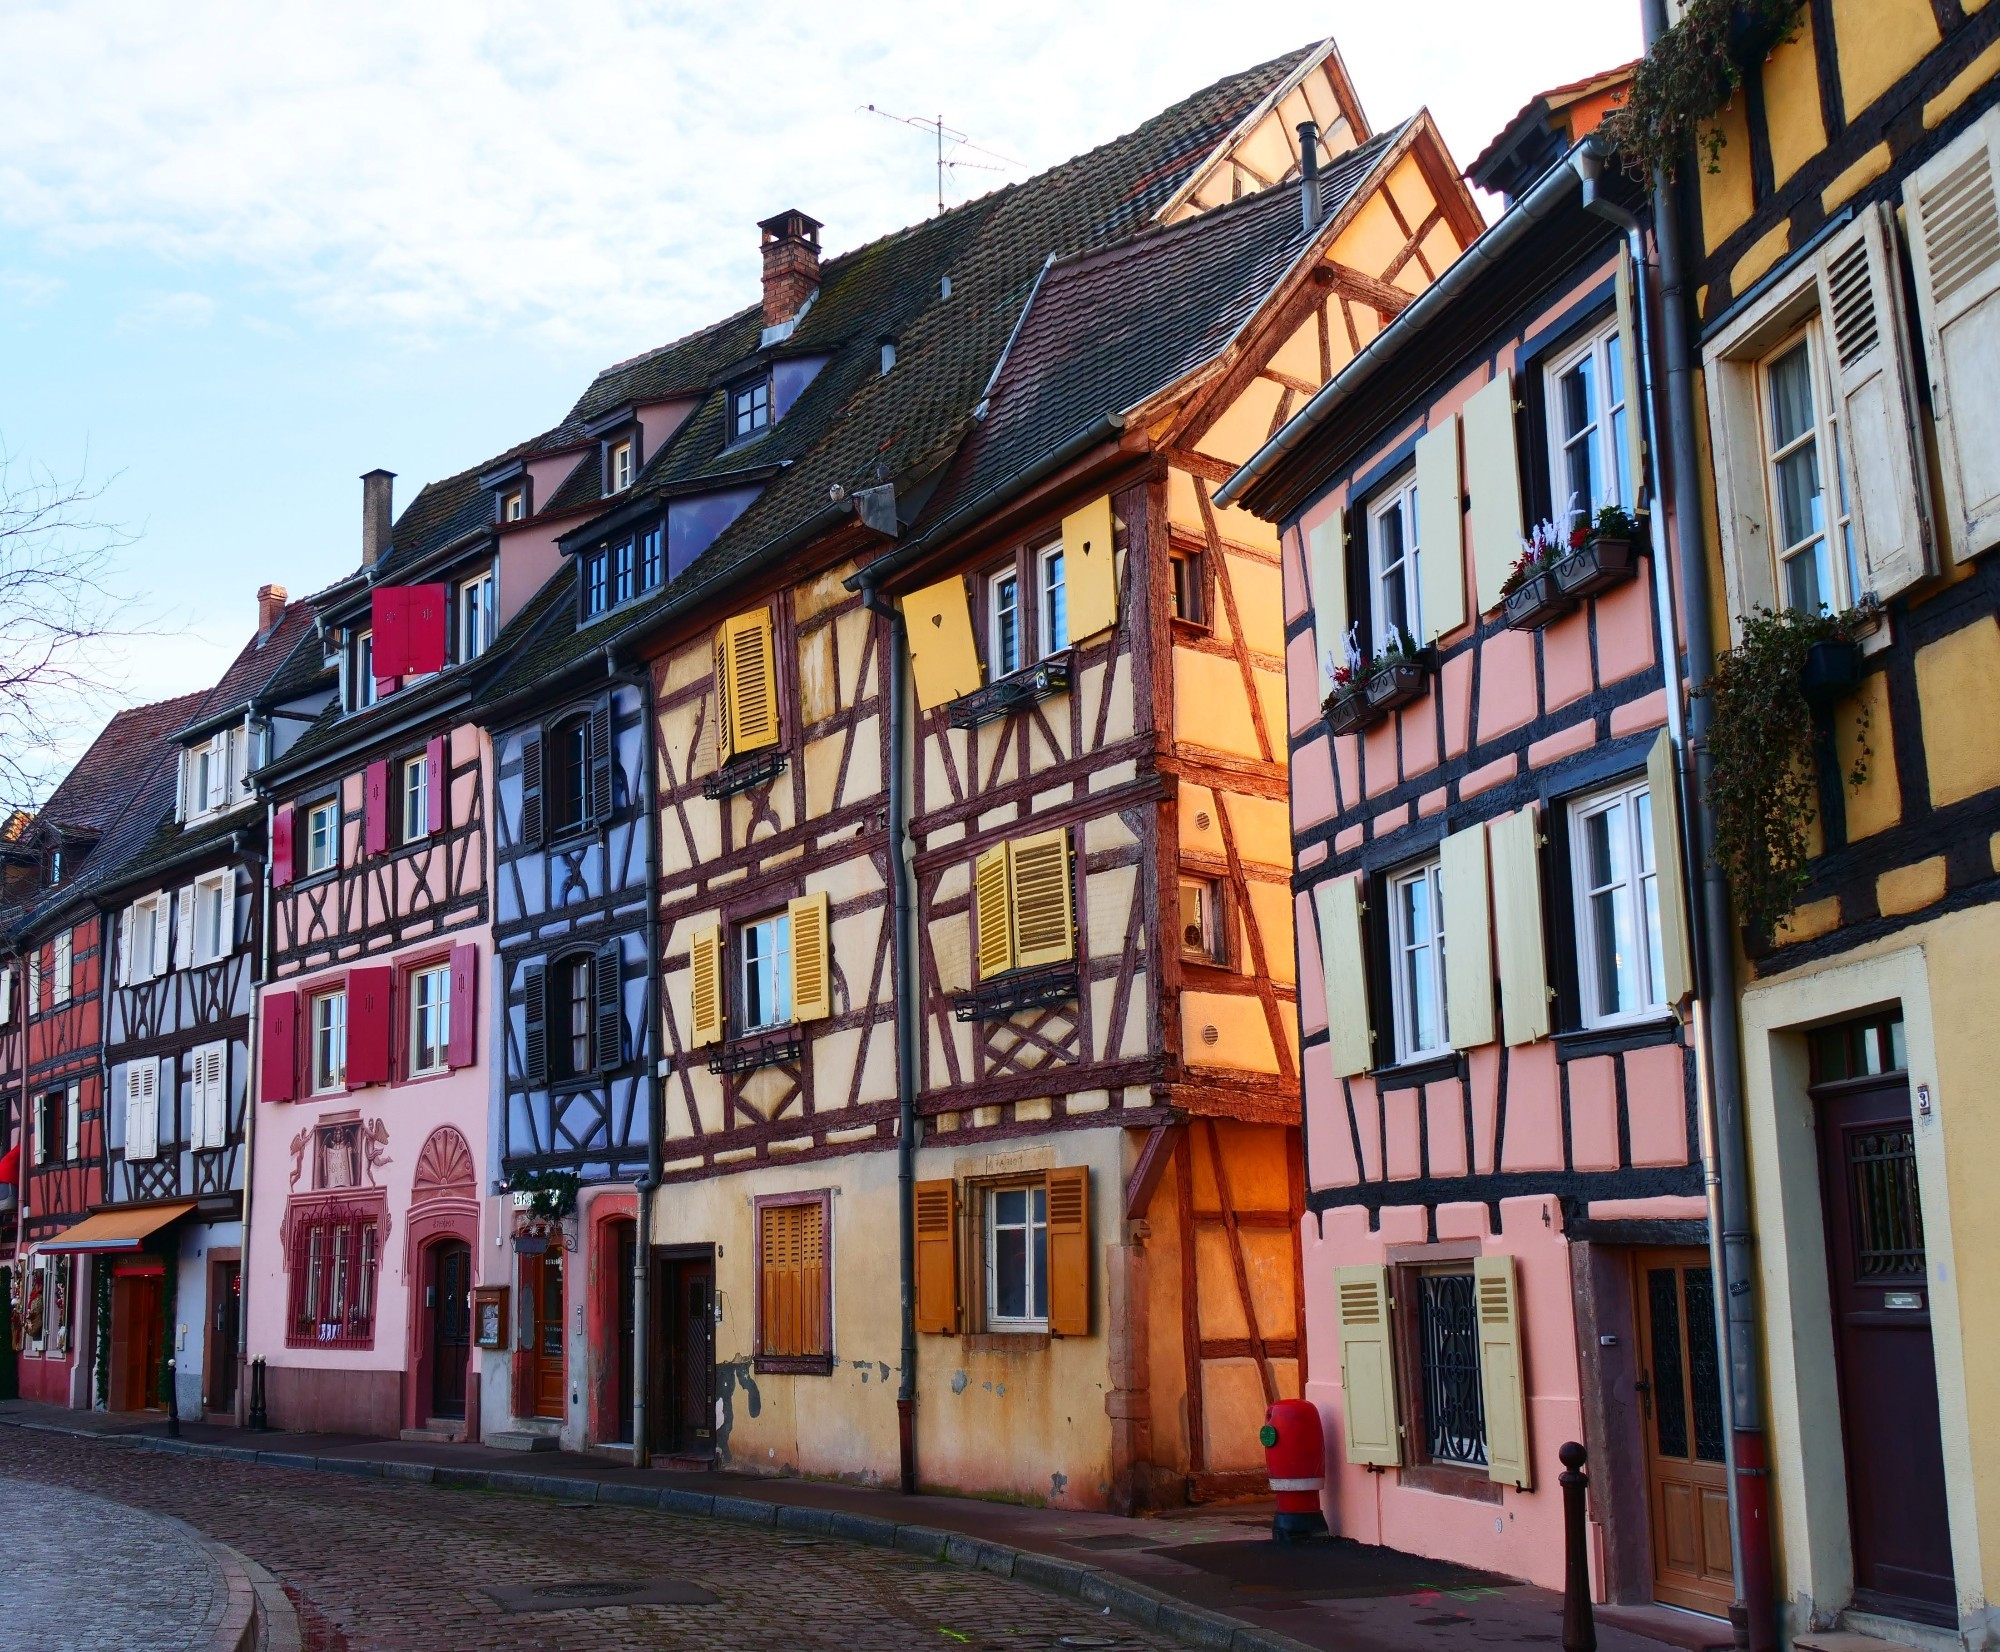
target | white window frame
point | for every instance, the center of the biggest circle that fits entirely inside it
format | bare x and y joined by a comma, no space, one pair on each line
622,454
1416,958
430,1020
1835,529
413,793
1630,891
327,810
998,663
765,943
1035,1197
1051,588
363,688
326,1023
1602,353
1398,500
62,965
476,614
514,506
214,917
1210,947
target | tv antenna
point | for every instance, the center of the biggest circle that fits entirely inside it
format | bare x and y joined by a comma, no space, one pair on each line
960,145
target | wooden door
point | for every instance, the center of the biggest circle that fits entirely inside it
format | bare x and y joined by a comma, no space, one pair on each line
686,1366
626,1252
1882,1349
136,1338
225,1308
542,1310
451,1326
1680,1389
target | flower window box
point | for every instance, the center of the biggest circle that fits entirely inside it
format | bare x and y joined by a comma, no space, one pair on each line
1397,684
1535,601
1599,563
1352,711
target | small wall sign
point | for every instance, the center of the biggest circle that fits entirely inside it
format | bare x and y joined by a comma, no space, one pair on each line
489,1316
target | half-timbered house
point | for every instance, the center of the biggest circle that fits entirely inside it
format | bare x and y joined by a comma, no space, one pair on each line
20,879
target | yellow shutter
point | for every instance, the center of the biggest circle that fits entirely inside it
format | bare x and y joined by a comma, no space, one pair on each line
993,915
1326,549
1517,920
943,658
1039,882
1635,400
1500,1371
1367,1367
1089,570
750,682
1676,954
1493,484
1468,939
1069,1251
937,1257
725,747
1343,962
705,965
812,982
1440,531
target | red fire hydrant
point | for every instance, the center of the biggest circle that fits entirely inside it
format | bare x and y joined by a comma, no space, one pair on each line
1295,1461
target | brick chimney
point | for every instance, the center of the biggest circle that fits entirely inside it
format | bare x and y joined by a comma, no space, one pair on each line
377,514
791,265
270,609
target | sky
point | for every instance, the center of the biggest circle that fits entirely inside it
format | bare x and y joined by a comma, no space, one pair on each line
251,250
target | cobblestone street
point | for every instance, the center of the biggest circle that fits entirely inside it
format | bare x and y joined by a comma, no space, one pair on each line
407,1568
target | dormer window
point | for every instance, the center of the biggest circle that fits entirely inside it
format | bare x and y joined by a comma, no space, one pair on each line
514,506
749,409
623,455
215,774
361,691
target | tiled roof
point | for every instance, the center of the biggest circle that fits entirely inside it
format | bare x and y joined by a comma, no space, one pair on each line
254,669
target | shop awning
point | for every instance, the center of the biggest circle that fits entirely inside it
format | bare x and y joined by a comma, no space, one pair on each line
112,1230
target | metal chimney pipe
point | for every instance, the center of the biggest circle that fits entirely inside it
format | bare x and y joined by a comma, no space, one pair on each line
1309,175
377,514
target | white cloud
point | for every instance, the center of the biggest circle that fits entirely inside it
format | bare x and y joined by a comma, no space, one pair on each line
168,310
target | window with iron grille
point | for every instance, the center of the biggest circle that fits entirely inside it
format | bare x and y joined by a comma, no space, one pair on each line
333,1257
1453,1420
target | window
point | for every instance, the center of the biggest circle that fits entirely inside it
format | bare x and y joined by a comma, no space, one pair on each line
1619,965
572,1018
652,566
624,572
476,616
1185,570
1004,625
1396,602
329,1042
323,837
1054,597
142,952
1814,543
569,750
1201,919
793,1325
514,507
416,790
1017,1258
596,582
1451,1390
51,1132
211,778
430,1019
361,692
766,999
1589,438
749,409
1859,1049
333,1259
622,456
214,917
62,970
1024,914
35,1005
1416,953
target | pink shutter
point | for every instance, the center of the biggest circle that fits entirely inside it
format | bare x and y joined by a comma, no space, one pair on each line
281,1046
368,1023
424,608
464,1005
434,784
375,809
281,848
389,615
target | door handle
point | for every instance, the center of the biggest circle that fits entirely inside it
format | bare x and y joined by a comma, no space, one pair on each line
1643,1385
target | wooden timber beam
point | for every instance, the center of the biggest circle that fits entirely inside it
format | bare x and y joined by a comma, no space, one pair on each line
1383,296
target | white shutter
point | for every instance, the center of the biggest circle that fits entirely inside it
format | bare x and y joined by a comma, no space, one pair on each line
218,771
1500,1375
142,1110
1493,485
118,1117
128,920
65,970
1343,962
41,1152
1440,531
1517,919
184,928
184,791
6,996
1468,939
1367,1367
1868,362
225,927
1327,554
209,1123
160,934
239,764
73,1122
1954,227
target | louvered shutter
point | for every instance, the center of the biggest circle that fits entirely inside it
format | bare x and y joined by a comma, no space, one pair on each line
531,788
73,1122
369,1024
705,986
435,795
462,1043
1669,867
1367,1367
184,928
535,1024
121,1107
598,737
41,1127
751,682
938,624
211,1096
1326,548
1090,574
1515,848
1344,966
725,744
6,996
142,1110
812,980
128,921
607,1003
1954,226
1440,531
225,922
1039,878
283,826
375,808
1635,398
218,771
992,914
1493,484
1869,363
1069,1251
1468,939
160,936
937,1257
793,1277
1500,1374
279,1076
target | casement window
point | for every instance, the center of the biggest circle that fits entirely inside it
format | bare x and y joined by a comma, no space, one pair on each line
568,778
569,796
333,1260
415,790
323,837
573,1014
652,558
764,950
143,940
1621,970
1184,588
1201,920
1003,628
783,976
1591,441
746,685
596,582
624,571
478,617
208,1113
327,1013
794,1285
62,969
1394,588
363,689
514,506
1417,962
54,1141
749,409
1024,904
623,458
1017,1258
1031,1253
142,1082
1805,480
215,774
1051,601
211,911
429,993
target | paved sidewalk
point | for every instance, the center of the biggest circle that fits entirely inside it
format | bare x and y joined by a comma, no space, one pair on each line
1208,1577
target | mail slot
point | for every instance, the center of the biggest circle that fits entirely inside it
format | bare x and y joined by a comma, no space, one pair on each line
1903,1299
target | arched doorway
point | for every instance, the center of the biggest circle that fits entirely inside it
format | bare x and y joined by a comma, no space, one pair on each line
442,1239
448,1307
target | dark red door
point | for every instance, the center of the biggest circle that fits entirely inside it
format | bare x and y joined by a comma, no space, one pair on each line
1882,1343
451,1326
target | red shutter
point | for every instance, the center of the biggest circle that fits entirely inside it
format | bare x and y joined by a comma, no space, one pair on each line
281,1046
434,784
464,1005
368,1024
375,809
424,609
389,615
281,848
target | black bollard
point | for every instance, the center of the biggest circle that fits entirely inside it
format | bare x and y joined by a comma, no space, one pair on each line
173,1403
1579,1627
259,1419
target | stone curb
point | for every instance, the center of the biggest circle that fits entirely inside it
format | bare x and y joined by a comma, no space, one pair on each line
1194,1626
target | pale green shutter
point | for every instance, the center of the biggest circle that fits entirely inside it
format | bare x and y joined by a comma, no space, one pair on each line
1676,954
1327,552
1367,1367
1635,398
1343,961
1500,1379
1493,484
1517,921
1440,531
1468,939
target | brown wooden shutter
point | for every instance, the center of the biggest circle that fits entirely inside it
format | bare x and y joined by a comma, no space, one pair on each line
607,989
705,966
1069,1252
1039,880
535,1024
937,1257
601,794
938,624
994,913
749,682
793,1281
812,981
1090,570
531,788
